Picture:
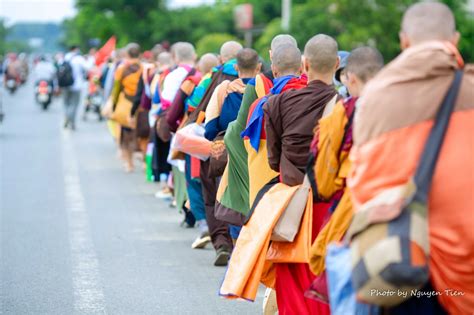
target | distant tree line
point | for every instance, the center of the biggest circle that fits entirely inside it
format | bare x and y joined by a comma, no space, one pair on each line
352,23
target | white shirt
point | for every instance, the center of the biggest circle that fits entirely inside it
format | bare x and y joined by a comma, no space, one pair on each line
79,69
173,82
44,70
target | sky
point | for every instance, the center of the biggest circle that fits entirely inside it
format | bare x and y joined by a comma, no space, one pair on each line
55,10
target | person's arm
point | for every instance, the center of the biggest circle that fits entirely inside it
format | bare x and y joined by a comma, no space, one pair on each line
137,98
213,112
274,131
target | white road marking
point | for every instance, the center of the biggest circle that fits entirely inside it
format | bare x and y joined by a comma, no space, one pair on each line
88,294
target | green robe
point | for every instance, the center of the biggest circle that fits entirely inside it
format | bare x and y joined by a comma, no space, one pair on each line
236,194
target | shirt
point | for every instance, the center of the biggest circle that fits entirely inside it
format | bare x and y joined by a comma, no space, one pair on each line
79,69
44,71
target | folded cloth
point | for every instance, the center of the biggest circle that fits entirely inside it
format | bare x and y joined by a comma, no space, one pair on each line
248,261
190,140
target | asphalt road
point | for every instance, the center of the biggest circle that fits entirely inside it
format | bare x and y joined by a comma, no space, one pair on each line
80,236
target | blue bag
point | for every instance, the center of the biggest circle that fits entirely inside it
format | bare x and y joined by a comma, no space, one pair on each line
342,296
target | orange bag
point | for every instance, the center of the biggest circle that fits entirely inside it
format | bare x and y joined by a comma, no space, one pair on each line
298,250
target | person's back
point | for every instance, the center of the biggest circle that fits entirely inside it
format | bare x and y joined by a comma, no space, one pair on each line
391,126
13,68
292,116
223,109
44,70
79,69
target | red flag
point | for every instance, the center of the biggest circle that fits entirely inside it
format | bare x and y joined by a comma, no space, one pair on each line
105,51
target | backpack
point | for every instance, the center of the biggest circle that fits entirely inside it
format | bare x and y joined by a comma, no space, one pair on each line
65,76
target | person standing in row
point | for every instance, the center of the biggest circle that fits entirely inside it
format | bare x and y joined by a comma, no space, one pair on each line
126,82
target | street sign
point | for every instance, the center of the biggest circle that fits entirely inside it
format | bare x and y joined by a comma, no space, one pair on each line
243,16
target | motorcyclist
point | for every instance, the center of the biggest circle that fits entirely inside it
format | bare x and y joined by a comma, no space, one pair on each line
45,70
12,68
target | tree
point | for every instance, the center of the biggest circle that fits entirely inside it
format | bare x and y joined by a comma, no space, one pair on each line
3,36
368,22
352,23
212,43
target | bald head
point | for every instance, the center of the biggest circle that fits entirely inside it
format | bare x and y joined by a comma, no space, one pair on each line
229,50
364,62
286,60
247,60
157,50
133,50
320,53
283,39
165,59
207,62
425,21
184,52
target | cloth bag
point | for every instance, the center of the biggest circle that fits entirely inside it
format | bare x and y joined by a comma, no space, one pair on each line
217,161
143,127
296,251
389,233
190,140
122,111
162,126
289,223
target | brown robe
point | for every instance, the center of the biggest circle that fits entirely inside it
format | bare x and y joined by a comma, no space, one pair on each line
290,118
218,229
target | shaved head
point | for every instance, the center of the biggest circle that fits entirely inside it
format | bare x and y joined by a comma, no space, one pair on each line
207,62
321,53
157,50
286,59
165,59
247,59
283,39
133,50
184,52
425,21
229,50
364,62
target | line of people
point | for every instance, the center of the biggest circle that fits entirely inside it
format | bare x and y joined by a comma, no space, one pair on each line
274,165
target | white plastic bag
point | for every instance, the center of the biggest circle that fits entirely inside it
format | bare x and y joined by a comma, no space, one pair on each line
190,140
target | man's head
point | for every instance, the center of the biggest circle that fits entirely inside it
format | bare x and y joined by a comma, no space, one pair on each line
184,53
133,50
229,50
282,39
165,60
320,57
157,50
248,64
286,60
362,65
207,62
425,21
147,56
74,48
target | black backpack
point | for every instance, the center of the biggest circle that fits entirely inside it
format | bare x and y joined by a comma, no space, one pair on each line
65,76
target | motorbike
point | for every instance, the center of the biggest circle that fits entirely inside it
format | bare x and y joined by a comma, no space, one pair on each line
93,104
94,99
43,93
11,85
